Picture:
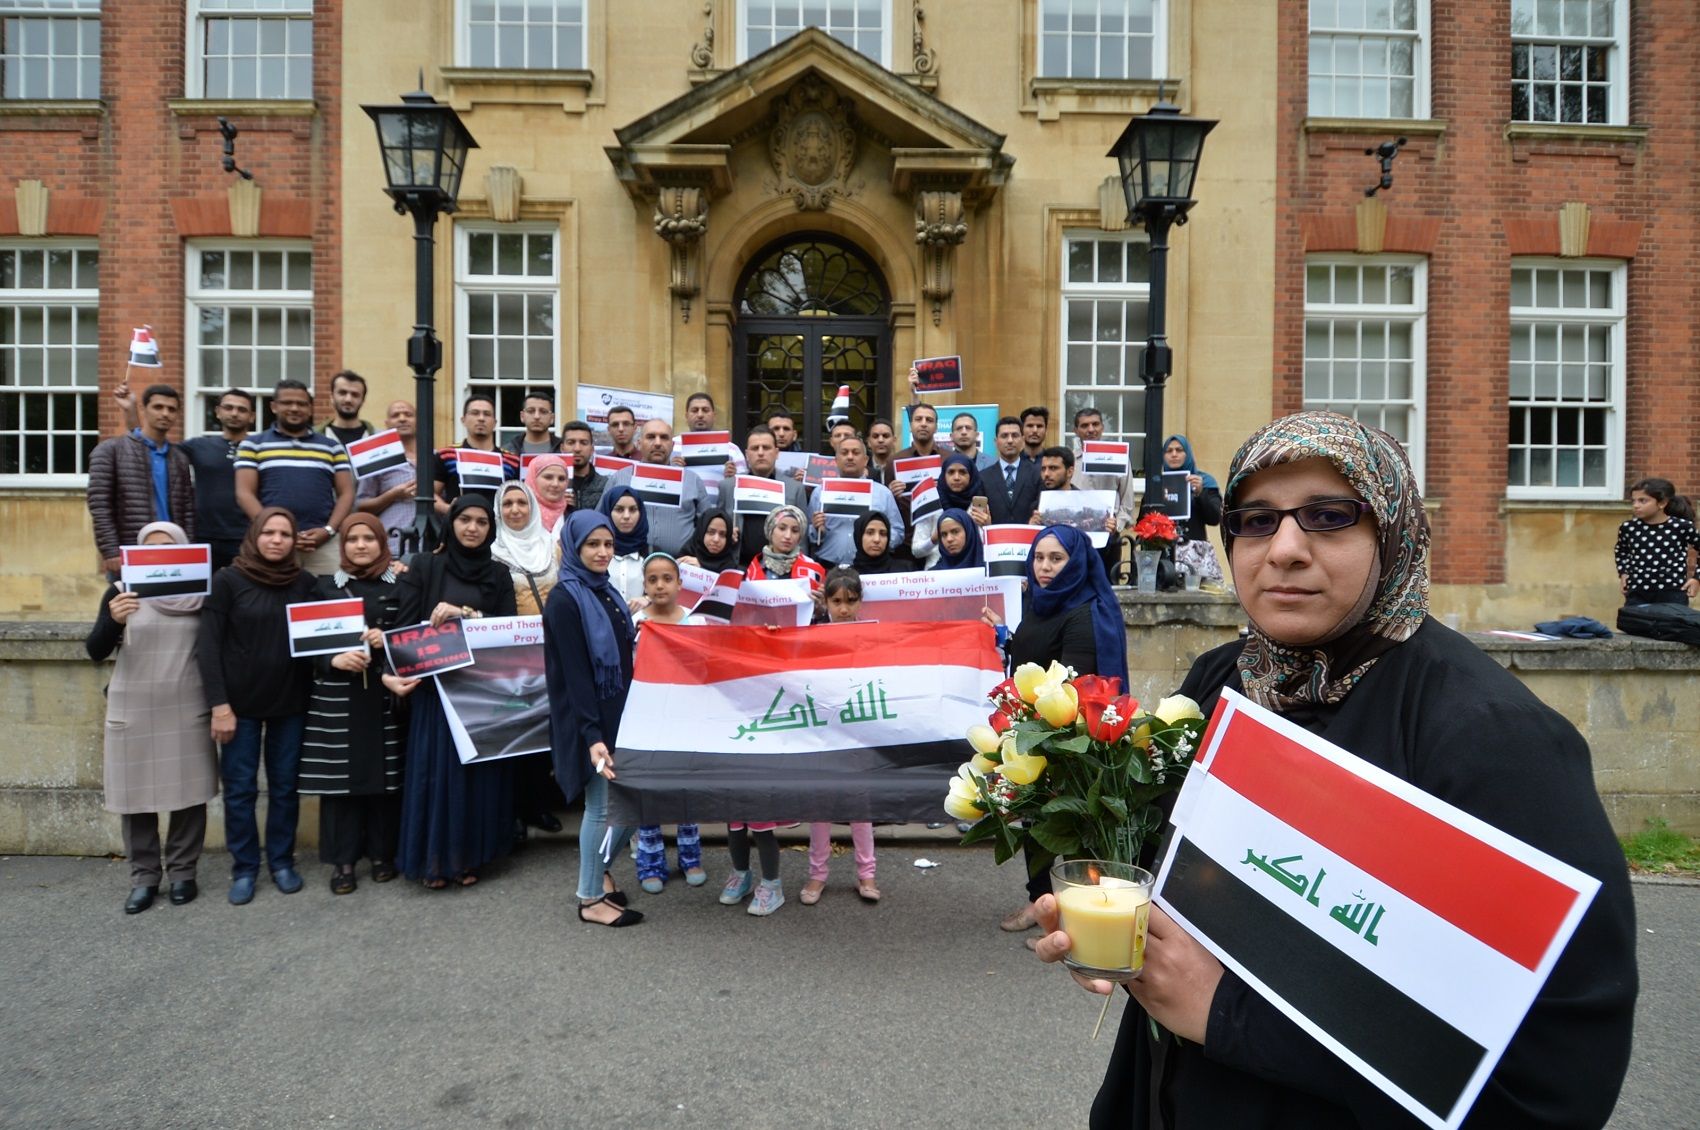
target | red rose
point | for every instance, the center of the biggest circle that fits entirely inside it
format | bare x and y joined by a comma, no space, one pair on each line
1096,688
1108,719
999,721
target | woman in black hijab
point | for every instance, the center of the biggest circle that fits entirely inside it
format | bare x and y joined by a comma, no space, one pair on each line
712,547
455,818
872,539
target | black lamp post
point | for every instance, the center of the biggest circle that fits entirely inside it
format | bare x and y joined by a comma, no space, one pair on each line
424,146
1158,154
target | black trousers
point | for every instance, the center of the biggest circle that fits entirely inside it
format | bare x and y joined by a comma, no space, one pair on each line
183,842
355,826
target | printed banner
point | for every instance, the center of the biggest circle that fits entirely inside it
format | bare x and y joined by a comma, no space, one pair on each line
165,570
753,494
938,374
776,604
717,604
694,584
848,497
916,468
325,627
1177,495
594,401
613,464
480,470
925,500
377,452
705,453
656,485
1085,510
947,594
862,722
986,417
499,707
1102,457
420,650
1007,548
1444,930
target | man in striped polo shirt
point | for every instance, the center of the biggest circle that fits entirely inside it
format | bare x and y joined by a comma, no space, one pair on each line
292,466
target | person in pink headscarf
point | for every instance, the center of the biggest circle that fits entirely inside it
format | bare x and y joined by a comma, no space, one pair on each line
550,480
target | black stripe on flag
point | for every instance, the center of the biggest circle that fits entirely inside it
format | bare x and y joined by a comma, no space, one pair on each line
169,588
719,608
383,464
1420,1052
1007,568
849,509
710,460
347,641
933,505
655,497
901,784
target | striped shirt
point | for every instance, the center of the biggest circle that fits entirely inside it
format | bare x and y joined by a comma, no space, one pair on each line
297,473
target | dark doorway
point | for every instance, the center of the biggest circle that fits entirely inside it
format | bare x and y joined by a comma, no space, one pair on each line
813,314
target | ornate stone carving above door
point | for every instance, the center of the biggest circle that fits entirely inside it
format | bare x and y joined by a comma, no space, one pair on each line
813,145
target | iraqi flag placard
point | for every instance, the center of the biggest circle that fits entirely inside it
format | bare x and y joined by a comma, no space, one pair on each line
166,570
325,627
916,468
377,452
754,494
479,470
925,500
1102,457
716,604
706,452
849,497
863,722
1406,935
1007,548
613,464
658,485
694,584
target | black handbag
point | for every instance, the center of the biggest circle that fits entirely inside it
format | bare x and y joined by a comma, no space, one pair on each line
1676,622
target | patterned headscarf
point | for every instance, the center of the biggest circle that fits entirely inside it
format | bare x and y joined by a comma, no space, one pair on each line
775,564
1277,675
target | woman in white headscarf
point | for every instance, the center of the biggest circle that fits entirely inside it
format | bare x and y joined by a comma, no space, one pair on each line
159,750
531,553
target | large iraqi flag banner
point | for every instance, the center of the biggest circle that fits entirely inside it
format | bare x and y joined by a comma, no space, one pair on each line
1404,934
841,722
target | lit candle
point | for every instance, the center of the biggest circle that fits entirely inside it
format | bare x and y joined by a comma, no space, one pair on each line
1106,923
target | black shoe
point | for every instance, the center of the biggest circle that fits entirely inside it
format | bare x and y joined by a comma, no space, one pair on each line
627,917
184,891
342,882
140,899
544,821
615,896
382,872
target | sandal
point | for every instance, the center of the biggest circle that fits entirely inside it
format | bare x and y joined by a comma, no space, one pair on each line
866,889
436,884
382,872
342,882
467,878
626,918
811,892
613,894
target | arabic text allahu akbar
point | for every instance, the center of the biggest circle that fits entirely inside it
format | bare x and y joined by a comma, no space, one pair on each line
1356,918
867,705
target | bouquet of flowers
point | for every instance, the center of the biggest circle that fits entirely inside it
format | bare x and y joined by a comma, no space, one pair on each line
1071,764
1155,530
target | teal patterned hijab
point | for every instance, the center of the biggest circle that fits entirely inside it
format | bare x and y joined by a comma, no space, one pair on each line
1280,676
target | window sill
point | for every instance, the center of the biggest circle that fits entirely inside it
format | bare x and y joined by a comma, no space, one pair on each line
514,86
1050,98
243,107
1550,131
37,487
1407,127
1538,505
52,108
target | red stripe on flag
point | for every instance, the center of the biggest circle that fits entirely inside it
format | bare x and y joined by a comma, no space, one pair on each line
1010,535
849,486
656,472
695,439
326,610
1095,447
184,556
1210,731
700,655
1495,898
371,443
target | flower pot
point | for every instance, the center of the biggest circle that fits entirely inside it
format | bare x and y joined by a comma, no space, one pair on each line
1145,568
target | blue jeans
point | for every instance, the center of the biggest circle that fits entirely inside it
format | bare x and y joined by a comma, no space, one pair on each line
239,764
592,830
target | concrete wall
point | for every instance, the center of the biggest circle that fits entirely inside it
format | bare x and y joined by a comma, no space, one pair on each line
1633,699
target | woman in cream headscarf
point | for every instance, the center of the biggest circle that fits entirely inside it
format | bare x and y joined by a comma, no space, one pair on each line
531,553
159,750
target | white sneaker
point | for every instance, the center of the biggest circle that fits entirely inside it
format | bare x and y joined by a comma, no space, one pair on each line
769,898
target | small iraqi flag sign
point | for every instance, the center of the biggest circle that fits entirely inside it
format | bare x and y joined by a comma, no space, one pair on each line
1007,548
377,452
917,467
657,485
754,494
1102,457
849,497
695,583
144,349
1404,934
706,451
925,500
479,470
166,570
325,627
717,603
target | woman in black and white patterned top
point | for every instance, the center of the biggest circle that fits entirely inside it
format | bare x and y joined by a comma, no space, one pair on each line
1656,549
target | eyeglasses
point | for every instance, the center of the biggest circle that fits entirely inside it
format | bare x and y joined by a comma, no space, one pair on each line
1324,517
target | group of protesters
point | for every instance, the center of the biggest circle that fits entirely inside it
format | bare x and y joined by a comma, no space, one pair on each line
205,690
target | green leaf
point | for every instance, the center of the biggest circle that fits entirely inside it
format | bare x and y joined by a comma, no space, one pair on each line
982,830
1057,834
1080,743
1139,769
1065,804
1026,741
1115,806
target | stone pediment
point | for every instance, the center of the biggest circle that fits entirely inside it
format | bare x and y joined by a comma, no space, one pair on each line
814,99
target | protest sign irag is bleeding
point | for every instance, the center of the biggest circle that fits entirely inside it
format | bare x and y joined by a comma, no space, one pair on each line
420,650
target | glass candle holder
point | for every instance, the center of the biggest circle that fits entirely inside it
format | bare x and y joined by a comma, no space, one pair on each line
1104,907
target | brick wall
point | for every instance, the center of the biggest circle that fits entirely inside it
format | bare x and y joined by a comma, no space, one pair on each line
1470,199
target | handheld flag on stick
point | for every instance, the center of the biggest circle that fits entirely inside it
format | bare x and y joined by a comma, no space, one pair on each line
144,350
840,413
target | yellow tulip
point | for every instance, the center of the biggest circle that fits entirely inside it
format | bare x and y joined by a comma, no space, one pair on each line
981,764
963,800
1032,681
1022,768
1059,707
1142,737
984,739
1177,708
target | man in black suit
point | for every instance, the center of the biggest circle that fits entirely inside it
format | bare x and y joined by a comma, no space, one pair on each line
1012,483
